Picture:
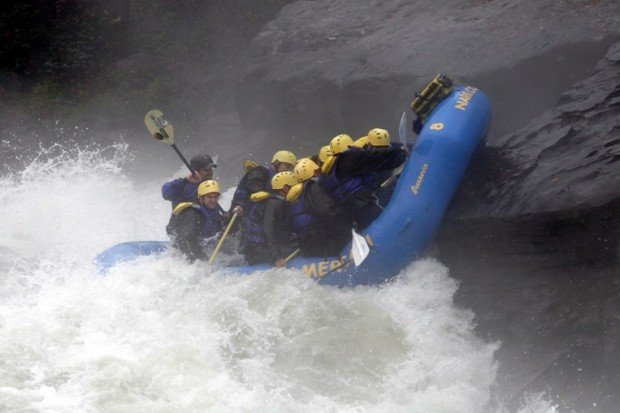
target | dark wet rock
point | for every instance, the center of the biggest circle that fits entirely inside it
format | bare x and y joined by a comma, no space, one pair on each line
566,159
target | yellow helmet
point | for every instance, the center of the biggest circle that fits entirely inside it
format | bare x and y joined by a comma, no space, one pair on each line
305,169
284,157
208,187
378,137
340,143
325,152
283,178
361,142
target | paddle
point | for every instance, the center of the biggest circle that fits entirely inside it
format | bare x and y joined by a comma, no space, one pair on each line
359,248
219,243
292,255
402,136
402,130
359,251
162,130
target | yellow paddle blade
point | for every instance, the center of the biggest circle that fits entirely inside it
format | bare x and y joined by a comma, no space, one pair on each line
159,127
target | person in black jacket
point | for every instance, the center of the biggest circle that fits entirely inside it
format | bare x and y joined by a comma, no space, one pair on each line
258,178
350,176
194,227
266,235
321,227
380,139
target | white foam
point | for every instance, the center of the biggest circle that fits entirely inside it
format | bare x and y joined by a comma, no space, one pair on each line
164,335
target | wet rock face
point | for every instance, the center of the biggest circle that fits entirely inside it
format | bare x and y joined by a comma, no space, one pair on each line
323,67
570,156
566,159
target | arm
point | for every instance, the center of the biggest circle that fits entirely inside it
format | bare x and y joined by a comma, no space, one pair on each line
357,161
172,189
179,190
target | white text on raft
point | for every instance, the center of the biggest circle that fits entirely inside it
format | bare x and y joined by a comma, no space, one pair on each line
464,97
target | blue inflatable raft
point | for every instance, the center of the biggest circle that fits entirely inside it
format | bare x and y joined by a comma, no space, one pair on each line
428,182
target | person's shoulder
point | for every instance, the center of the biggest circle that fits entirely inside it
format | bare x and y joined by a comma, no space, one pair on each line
259,169
191,212
258,172
352,151
176,181
197,208
351,155
382,149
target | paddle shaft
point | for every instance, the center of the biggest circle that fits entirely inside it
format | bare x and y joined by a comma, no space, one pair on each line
402,135
292,255
219,244
402,130
183,158
394,175
337,267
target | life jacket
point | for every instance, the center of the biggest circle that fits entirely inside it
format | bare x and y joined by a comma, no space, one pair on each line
212,217
341,189
252,230
299,214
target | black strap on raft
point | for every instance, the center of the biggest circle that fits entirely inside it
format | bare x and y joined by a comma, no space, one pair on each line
428,99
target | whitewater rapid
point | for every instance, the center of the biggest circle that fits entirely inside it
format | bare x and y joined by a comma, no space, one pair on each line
162,335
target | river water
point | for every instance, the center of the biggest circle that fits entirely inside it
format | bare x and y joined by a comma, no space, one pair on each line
162,335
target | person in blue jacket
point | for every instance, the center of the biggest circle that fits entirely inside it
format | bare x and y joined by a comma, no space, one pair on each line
193,227
351,174
184,189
